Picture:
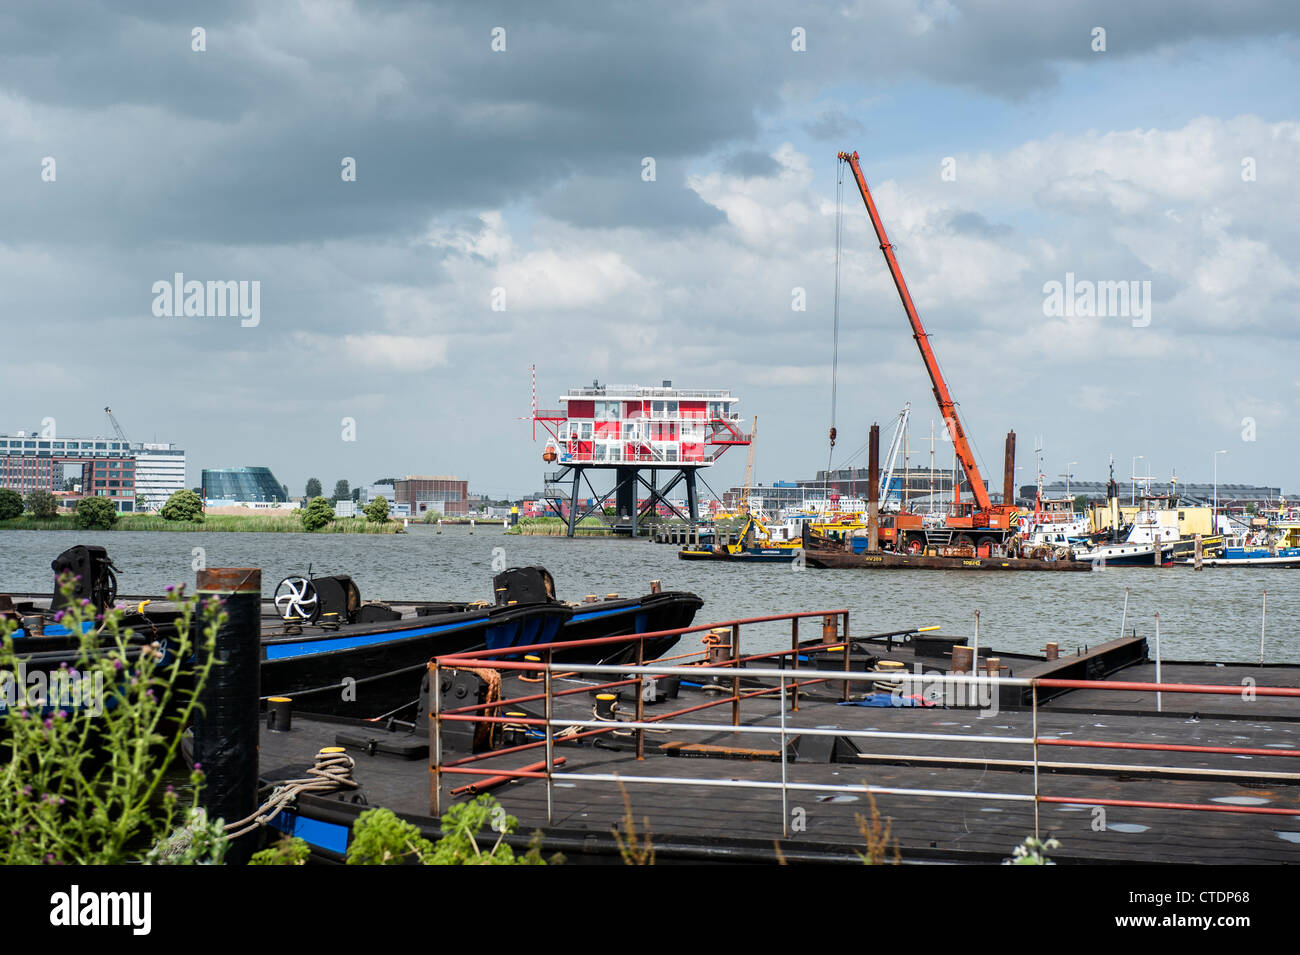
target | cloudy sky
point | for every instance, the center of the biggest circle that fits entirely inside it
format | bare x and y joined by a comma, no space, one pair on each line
1004,148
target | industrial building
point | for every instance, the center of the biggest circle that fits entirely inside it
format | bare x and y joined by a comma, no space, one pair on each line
1228,494
417,494
907,485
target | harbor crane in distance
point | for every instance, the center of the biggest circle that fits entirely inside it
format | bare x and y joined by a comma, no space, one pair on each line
887,476
744,507
117,428
982,525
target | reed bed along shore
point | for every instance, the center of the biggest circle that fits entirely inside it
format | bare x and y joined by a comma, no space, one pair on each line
242,523
555,527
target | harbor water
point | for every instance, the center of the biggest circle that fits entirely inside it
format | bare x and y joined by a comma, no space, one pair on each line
1213,614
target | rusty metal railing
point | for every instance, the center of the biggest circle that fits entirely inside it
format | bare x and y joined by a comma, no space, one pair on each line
786,685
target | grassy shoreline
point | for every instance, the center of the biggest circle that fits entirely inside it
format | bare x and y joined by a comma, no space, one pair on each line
556,527
215,523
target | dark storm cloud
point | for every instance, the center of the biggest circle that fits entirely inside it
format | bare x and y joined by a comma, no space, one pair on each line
242,143
834,124
751,164
225,164
629,202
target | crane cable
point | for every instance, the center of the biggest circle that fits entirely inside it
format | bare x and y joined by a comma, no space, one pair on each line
835,335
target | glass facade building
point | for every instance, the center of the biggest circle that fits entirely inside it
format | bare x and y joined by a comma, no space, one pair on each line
242,484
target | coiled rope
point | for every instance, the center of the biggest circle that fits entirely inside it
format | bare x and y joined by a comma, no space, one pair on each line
332,771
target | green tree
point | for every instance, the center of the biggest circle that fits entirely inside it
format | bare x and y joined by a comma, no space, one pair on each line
317,514
182,506
391,482
1081,503
11,504
341,492
141,502
377,510
42,504
96,513
313,488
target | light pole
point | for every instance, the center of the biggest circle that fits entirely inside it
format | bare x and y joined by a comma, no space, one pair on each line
1067,477
1215,528
1132,495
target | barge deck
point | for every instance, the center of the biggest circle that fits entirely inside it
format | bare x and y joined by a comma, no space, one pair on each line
1096,769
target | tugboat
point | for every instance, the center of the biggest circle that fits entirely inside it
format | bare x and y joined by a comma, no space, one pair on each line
1155,531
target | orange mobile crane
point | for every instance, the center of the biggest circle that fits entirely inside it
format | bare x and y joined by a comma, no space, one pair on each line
977,527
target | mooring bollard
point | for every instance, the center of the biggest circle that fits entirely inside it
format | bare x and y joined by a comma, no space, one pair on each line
226,727
279,714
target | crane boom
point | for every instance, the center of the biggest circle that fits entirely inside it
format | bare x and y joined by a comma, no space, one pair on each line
887,476
744,507
947,407
117,428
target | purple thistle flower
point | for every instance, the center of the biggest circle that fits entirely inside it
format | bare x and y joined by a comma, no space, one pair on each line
49,723
59,616
198,767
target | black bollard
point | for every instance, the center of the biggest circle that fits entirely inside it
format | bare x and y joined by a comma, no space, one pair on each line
226,729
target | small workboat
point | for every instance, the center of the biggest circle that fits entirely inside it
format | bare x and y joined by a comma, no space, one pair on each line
1251,551
762,542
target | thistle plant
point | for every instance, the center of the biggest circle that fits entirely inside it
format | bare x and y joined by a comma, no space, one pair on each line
379,837
1033,851
84,767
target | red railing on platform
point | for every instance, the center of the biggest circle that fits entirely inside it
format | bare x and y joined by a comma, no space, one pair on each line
731,666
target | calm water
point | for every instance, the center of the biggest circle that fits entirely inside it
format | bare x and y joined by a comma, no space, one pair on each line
1214,614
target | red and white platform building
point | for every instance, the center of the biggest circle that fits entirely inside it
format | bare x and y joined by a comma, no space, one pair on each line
631,429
